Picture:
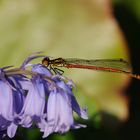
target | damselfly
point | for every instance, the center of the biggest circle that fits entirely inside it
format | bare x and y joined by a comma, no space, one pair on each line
110,65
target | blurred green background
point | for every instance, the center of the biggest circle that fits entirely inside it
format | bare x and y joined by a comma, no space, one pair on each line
89,29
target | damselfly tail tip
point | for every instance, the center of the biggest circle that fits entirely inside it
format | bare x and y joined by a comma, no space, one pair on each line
136,76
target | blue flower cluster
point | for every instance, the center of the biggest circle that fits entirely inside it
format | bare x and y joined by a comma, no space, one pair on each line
33,96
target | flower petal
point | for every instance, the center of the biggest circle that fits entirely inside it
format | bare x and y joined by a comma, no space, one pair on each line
41,69
6,101
81,112
35,101
29,58
11,131
59,113
75,106
26,121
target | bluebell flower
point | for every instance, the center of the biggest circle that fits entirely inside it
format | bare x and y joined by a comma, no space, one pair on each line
34,103
19,94
10,102
37,97
67,87
6,101
17,81
34,106
60,109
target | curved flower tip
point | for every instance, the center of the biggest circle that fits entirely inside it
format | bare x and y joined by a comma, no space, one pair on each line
75,106
11,131
77,126
83,113
26,121
30,58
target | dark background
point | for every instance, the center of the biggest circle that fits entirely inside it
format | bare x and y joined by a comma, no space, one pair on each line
130,26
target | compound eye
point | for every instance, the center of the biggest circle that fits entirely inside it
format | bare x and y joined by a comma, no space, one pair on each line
46,61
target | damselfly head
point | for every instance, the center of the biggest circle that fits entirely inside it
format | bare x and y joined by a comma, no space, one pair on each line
46,61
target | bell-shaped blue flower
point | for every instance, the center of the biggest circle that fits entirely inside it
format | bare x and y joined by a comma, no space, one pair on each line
67,87
34,105
60,110
6,101
10,102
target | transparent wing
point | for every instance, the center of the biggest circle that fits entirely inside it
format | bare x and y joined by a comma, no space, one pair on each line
99,64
